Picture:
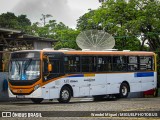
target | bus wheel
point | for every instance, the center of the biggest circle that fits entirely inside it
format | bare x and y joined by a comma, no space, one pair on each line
124,90
65,95
37,100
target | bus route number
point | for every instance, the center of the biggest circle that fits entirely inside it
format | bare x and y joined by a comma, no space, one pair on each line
66,81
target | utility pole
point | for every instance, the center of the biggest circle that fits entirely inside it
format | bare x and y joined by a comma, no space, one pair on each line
43,19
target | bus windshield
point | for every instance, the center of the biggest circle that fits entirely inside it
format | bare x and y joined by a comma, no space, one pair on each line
27,69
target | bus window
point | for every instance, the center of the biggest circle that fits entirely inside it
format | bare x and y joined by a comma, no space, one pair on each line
104,63
146,63
133,63
89,63
72,64
119,63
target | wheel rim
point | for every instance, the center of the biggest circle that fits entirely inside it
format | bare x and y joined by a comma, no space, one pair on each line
65,94
124,90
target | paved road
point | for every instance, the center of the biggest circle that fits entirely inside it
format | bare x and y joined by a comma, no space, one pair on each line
86,104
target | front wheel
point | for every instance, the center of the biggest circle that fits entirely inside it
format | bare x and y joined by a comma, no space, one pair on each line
37,100
65,95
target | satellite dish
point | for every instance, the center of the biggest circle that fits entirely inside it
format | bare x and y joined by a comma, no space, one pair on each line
96,40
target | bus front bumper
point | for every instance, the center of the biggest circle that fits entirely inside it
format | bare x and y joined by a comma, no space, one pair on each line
36,94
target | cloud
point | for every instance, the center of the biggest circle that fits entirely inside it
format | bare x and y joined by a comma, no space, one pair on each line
35,8
66,11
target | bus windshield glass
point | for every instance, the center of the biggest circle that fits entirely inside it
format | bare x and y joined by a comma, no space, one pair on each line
27,69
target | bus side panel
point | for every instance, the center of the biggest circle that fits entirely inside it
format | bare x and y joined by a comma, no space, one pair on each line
98,84
75,91
36,94
51,90
149,82
135,83
45,92
113,82
143,81
76,83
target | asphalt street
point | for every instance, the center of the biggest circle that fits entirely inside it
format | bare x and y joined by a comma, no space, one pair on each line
84,104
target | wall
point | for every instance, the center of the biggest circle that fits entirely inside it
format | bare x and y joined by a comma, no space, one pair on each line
3,94
41,45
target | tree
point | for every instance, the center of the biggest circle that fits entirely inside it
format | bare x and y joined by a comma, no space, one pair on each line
9,20
67,39
58,31
132,19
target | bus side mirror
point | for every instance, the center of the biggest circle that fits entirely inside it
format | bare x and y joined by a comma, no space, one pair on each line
49,67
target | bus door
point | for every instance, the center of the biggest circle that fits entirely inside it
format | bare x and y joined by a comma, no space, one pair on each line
55,61
52,68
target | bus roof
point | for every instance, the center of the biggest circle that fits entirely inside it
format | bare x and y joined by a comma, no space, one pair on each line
144,53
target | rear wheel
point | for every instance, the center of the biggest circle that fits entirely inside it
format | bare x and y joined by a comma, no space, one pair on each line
65,95
124,90
37,100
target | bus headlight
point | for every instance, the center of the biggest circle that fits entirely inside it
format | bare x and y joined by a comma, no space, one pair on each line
36,87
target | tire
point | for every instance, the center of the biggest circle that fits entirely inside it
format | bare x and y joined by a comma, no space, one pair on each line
124,91
65,95
37,100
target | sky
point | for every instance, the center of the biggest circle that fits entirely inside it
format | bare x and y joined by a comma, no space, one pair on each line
66,11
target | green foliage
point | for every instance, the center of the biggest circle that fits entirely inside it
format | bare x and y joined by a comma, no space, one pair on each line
58,31
9,20
126,18
67,38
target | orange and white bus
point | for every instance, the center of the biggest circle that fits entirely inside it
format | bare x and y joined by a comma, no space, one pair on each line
51,74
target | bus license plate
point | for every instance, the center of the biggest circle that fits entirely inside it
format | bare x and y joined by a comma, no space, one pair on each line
20,96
